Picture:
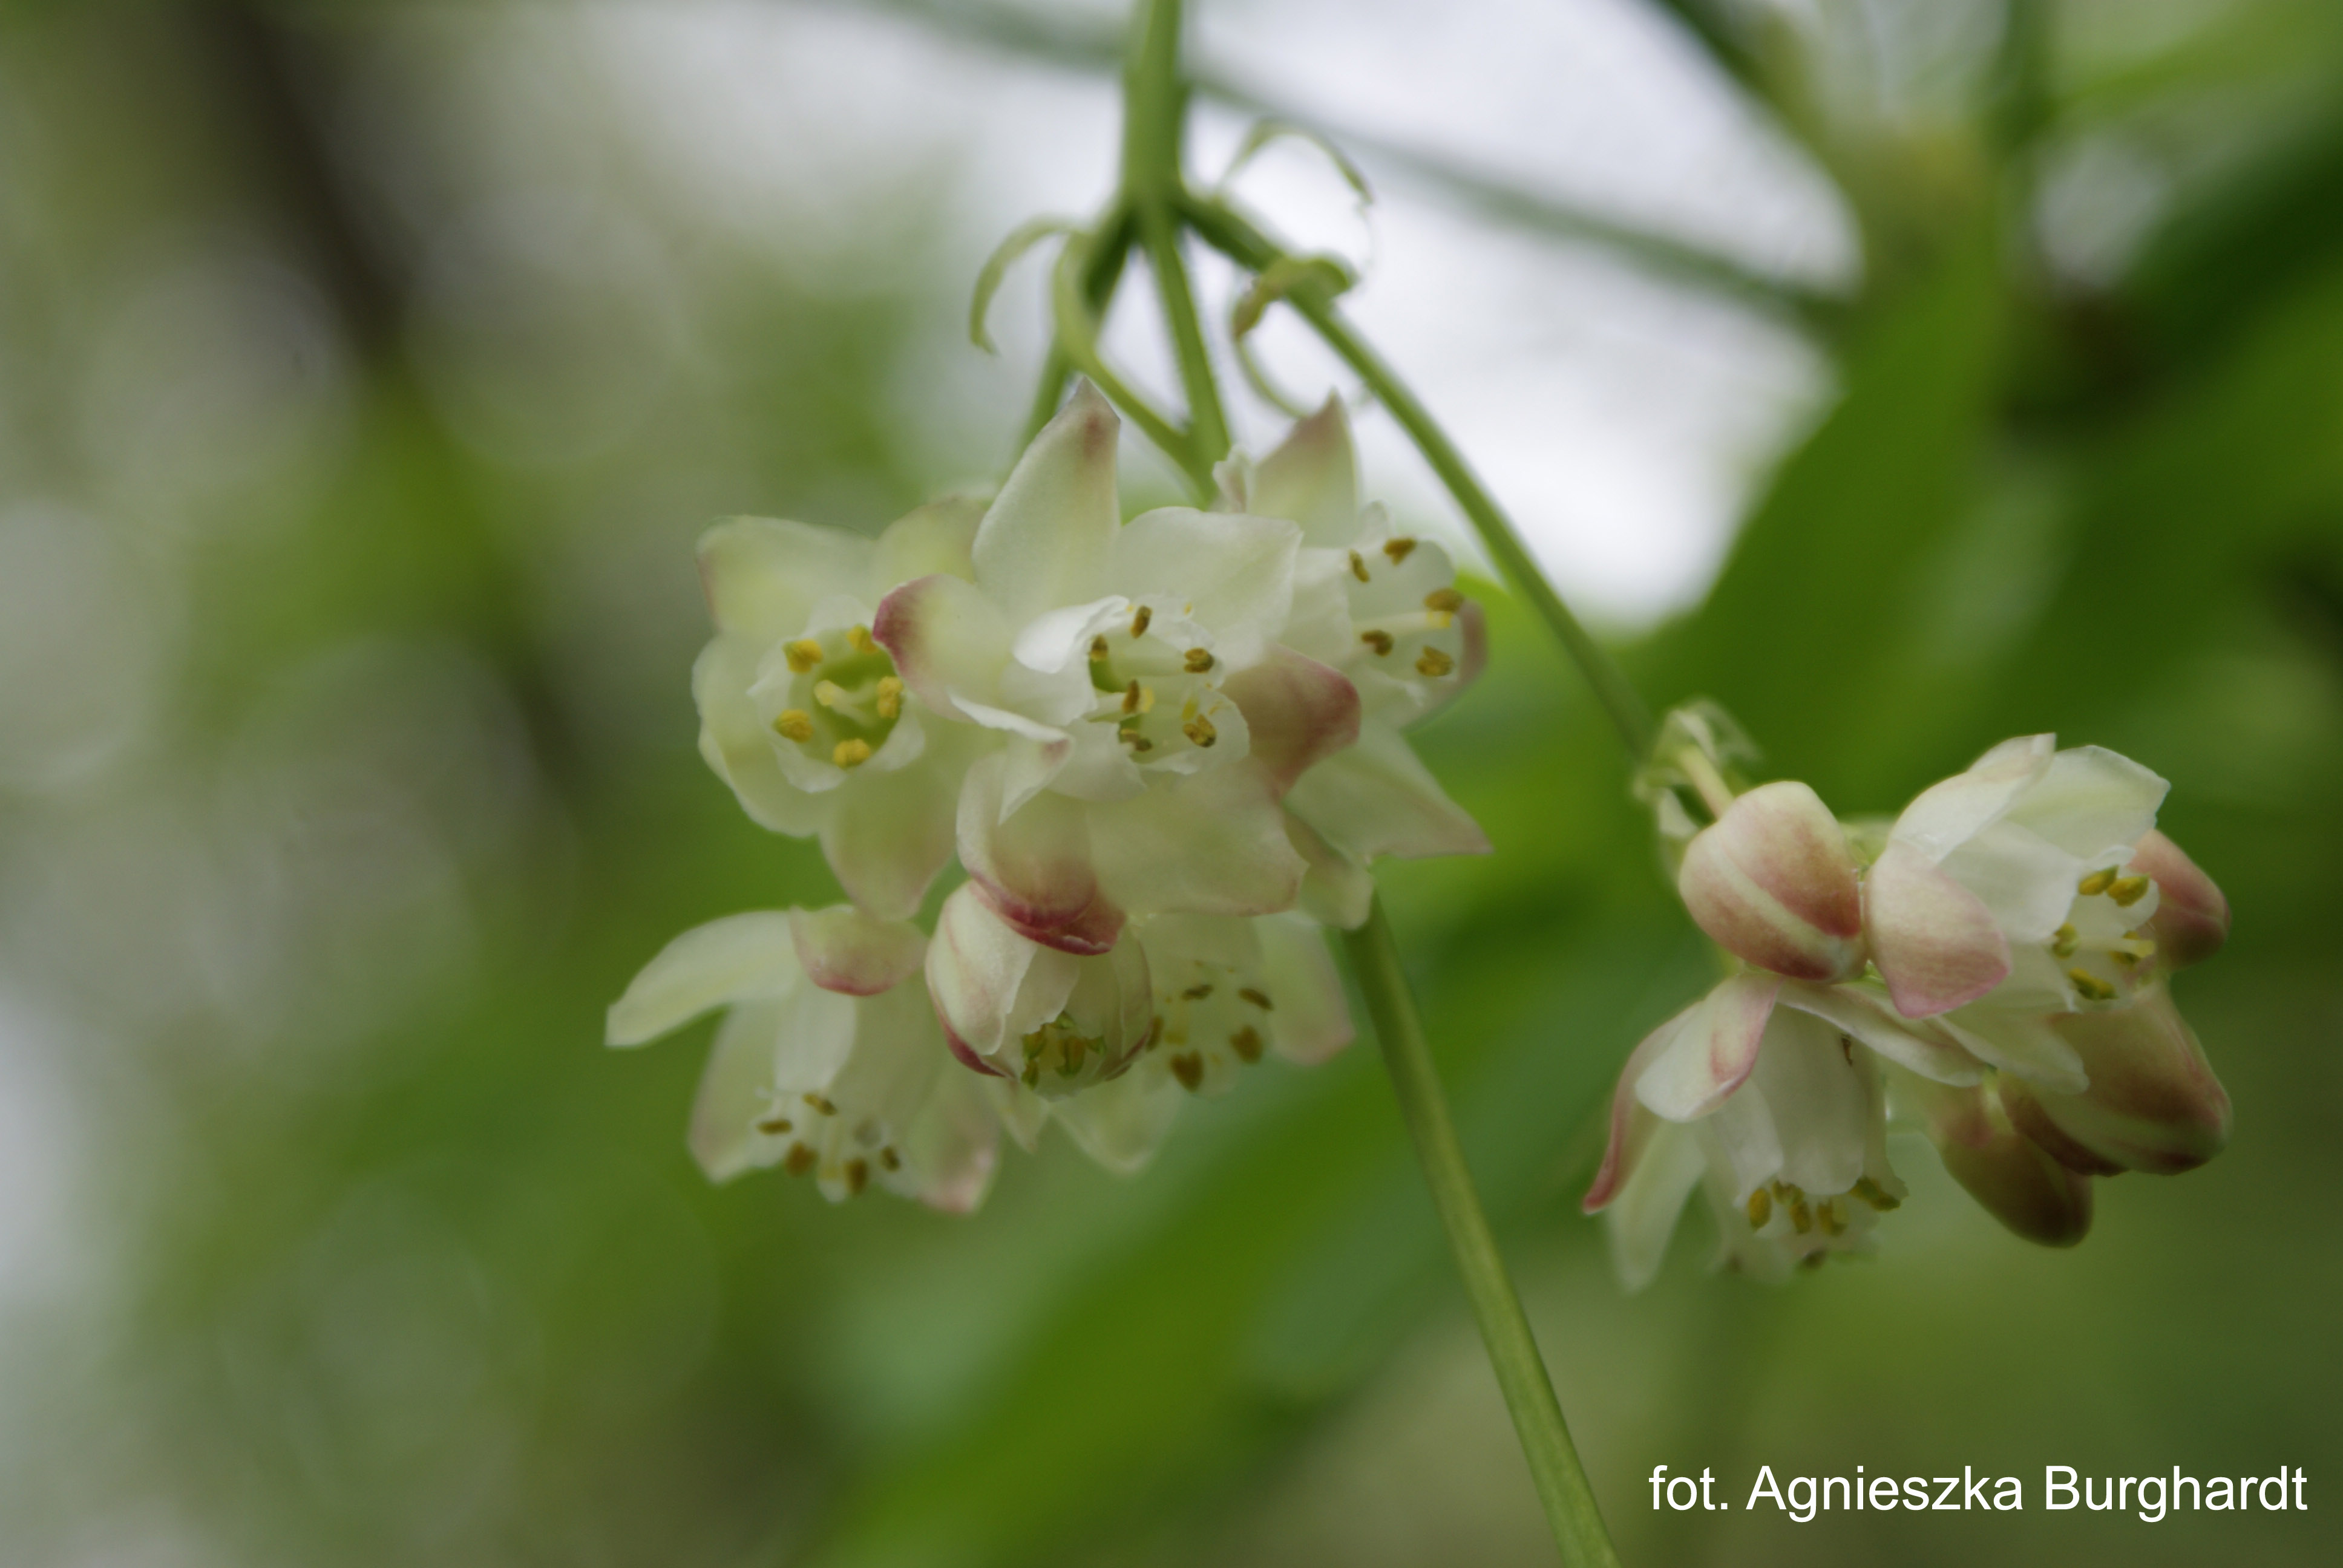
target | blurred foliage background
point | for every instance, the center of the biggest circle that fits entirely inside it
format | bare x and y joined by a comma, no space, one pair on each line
366,372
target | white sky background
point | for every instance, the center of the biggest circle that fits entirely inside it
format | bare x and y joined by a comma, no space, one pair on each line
1623,421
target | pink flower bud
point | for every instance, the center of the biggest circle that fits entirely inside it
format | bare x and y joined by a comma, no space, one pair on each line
1772,883
2192,917
2013,1179
2153,1103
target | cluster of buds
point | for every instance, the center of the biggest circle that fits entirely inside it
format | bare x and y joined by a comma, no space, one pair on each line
1993,965
1163,752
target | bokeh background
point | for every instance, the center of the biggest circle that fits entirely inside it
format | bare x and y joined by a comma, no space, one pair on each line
1905,373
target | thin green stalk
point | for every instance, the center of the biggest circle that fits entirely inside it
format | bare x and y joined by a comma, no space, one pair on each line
1561,1481
1231,234
1101,275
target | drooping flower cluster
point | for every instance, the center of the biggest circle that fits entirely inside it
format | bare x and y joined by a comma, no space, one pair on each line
1162,751
1994,965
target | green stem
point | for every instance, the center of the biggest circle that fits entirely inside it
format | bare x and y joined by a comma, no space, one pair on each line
1100,274
1561,1481
1248,247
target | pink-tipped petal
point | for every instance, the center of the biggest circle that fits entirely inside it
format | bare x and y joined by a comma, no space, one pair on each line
946,639
1035,868
2012,1177
1935,943
2192,917
2153,1103
1715,1052
846,950
1772,883
1630,1123
1047,537
1299,711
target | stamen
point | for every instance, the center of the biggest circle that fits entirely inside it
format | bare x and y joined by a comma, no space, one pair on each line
803,655
775,1125
794,724
1359,568
1196,660
1258,998
889,1159
1199,730
851,753
1761,1209
1246,1042
2091,986
2097,882
857,1177
1832,1215
828,693
1075,1050
2124,955
1802,1218
1132,695
859,638
1433,663
1154,1034
1139,619
1135,741
1188,1069
799,1160
1399,549
890,697
1198,992
1446,601
1381,641
2063,943
821,1104
2128,891
1097,649
1878,1197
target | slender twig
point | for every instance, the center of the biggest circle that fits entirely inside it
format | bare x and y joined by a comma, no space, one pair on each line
1101,271
1155,101
1521,1371
1248,247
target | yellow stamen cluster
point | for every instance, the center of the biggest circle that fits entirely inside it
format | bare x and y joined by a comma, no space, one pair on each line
1433,663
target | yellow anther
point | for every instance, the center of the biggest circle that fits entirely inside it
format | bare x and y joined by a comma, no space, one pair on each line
2063,943
1787,1194
1199,730
1135,741
1761,1209
1399,549
1381,641
1132,695
890,697
1188,1069
1246,1042
1097,649
1258,998
859,638
2124,955
1359,566
1196,660
1139,619
1198,992
799,1160
2128,891
1446,601
775,1125
821,1104
889,1159
803,655
1075,1050
851,753
857,1177
2097,882
828,693
1878,1197
1433,663
2091,987
1031,1076
1832,1215
1154,1034
794,724
1802,1218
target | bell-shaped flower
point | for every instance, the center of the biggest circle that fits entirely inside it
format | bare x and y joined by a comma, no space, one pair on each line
1147,720
1767,1091
829,1060
804,714
1772,883
2150,1102
2012,1176
1382,609
1015,1009
1227,993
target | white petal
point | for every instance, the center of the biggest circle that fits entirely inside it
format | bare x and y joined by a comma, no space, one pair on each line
1947,815
1821,1104
846,950
740,957
741,750
2092,803
989,984
1631,1125
2026,882
2019,1042
1745,1141
1377,799
1714,1053
1298,712
940,536
889,837
1935,943
946,639
949,1148
1232,575
735,1092
1336,890
1312,478
1212,843
1045,539
1772,881
1122,1122
1644,1215
763,576
1871,1021
1035,866
1311,1021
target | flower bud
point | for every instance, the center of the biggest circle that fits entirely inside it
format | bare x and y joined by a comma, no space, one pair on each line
2192,917
1772,883
2012,1177
2153,1103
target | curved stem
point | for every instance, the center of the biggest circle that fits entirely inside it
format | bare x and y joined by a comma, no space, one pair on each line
1099,274
1561,1481
1155,107
1248,247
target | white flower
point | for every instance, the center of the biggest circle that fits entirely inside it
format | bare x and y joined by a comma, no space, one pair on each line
828,1060
1767,1093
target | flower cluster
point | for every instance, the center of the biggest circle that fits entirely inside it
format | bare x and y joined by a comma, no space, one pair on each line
1163,752
1993,964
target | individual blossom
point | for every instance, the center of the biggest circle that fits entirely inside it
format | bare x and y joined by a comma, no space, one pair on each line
1382,607
804,714
1772,883
1143,720
1767,1092
2011,1175
828,1060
